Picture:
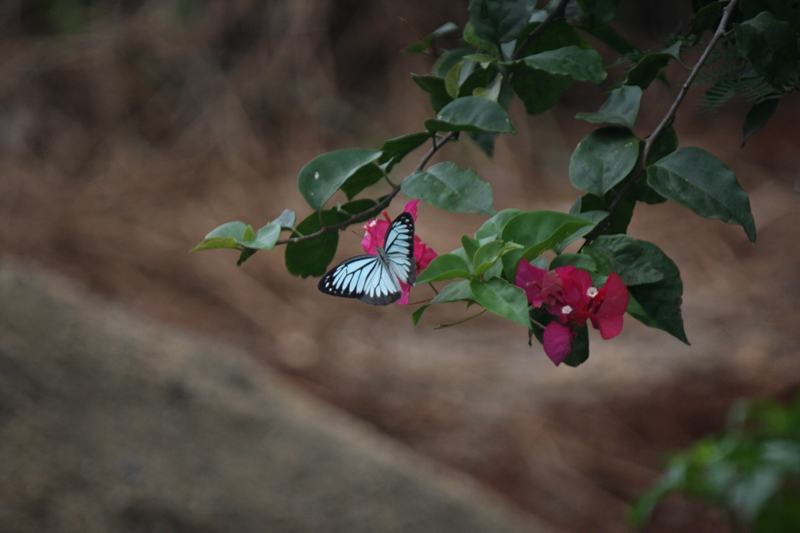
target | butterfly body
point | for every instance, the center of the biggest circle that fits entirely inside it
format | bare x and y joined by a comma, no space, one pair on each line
375,279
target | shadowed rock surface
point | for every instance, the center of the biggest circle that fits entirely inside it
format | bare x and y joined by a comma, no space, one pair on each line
111,424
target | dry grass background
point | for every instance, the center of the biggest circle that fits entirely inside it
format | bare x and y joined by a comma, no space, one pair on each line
123,143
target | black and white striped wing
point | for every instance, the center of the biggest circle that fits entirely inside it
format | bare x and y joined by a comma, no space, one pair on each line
364,277
399,248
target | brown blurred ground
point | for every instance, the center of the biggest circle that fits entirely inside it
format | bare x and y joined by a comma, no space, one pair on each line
127,137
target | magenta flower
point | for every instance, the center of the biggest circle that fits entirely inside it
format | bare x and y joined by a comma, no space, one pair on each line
569,295
376,233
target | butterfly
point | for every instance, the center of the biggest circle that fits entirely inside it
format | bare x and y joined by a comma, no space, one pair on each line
375,279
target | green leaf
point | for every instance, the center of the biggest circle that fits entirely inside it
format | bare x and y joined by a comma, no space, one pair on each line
537,231
557,35
758,116
589,204
357,207
227,235
487,255
324,175
492,92
771,47
582,261
444,267
494,226
698,180
538,90
265,238
417,315
666,143
631,259
394,150
311,258
621,108
502,298
473,38
603,159
707,18
572,61
470,246
471,113
453,189
500,21
657,303
594,217
452,81
450,59
435,88
454,292
286,220
651,65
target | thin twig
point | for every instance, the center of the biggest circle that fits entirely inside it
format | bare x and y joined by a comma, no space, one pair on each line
442,326
668,119
557,12
380,206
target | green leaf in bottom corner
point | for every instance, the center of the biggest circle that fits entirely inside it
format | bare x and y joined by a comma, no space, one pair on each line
698,180
457,190
502,298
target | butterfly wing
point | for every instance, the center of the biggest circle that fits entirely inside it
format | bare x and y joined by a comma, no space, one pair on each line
399,248
364,277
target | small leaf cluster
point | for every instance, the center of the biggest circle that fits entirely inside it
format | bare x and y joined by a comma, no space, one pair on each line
752,471
513,48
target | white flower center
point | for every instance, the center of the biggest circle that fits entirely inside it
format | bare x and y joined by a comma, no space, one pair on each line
566,309
591,292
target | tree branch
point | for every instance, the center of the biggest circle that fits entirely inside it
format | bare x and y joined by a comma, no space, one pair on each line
380,206
668,119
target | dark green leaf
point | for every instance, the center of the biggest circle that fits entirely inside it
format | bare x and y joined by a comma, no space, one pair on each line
470,246
649,66
450,59
434,86
537,231
580,348
417,315
471,113
494,226
758,116
786,10
502,298
444,267
311,258
537,89
227,235
629,258
500,21
324,175
572,61
394,150
621,108
364,177
458,190
487,255
655,304
473,38
557,35
698,180
594,217
582,261
666,143
707,18
771,47
591,204
609,36
603,159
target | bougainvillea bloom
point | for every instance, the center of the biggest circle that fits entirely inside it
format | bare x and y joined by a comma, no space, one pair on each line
569,295
376,233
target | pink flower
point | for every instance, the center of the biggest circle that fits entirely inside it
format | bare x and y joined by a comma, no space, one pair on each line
376,233
569,295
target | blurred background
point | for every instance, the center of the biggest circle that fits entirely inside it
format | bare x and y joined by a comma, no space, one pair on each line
131,128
